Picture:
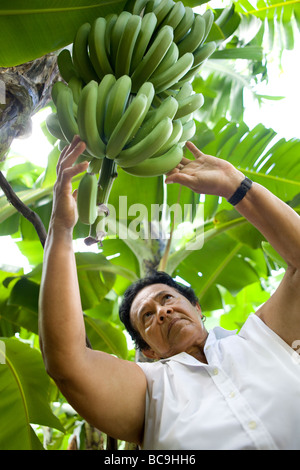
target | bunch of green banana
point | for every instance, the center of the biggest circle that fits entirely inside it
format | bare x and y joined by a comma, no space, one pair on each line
118,125
160,41
127,94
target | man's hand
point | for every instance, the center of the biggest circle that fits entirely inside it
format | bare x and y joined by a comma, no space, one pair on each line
206,174
64,212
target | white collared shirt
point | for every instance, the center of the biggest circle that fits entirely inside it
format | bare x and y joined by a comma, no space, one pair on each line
246,397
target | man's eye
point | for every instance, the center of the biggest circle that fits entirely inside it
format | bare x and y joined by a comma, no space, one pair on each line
167,296
147,314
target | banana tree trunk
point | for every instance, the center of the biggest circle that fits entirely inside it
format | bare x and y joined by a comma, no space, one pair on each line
24,90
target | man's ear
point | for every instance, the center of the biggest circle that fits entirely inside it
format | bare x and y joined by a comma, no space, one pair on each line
199,309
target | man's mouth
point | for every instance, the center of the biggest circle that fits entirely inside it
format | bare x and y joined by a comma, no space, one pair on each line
172,322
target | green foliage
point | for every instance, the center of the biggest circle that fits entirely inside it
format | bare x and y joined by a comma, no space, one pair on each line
24,389
209,248
53,23
280,19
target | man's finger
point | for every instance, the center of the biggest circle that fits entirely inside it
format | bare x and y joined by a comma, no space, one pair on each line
74,194
70,147
195,151
72,154
180,178
185,161
71,171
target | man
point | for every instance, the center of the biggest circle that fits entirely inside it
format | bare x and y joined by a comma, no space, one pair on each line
215,390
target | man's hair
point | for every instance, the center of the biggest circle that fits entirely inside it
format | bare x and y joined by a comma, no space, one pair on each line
157,277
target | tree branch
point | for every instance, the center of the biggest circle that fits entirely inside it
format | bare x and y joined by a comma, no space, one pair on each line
23,209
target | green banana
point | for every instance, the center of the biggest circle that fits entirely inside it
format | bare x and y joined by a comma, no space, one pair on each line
172,140
185,24
202,53
65,65
189,105
56,87
116,35
129,121
53,126
146,147
116,104
110,22
81,59
185,91
188,131
148,25
166,79
76,85
170,58
98,54
135,6
138,7
159,165
151,5
62,144
162,9
126,45
95,165
86,118
175,15
87,198
146,89
104,88
167,109
65,112
153,57
194,38
209,19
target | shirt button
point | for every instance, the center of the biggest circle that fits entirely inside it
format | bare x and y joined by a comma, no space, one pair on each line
252,425
215,371
231,395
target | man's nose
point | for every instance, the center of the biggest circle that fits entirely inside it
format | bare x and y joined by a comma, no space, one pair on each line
163,312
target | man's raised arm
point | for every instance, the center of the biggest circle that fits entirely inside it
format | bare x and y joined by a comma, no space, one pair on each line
107,391
277,222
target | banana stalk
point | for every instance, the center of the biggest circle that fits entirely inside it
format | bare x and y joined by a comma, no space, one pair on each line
107,175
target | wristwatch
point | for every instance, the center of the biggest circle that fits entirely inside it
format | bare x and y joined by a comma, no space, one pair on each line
241,192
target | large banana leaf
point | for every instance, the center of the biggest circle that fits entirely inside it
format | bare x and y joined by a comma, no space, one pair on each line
259,154
106,336
31,29
24,391
239,306
9,315
275,165
217,264
279,19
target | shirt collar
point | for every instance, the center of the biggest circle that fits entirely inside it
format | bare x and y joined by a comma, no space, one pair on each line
215,335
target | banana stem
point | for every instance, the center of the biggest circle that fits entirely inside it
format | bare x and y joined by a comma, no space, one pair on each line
107,175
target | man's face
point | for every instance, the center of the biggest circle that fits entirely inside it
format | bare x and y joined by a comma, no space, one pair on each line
167,321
